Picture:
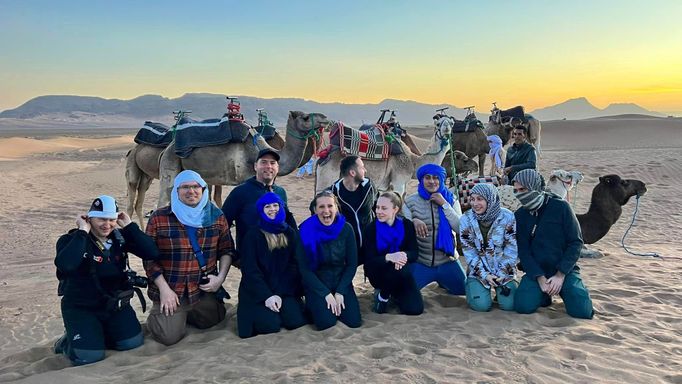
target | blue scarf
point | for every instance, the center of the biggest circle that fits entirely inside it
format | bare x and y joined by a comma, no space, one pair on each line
489,194
389,237
444,238
276,225
314,233
204,214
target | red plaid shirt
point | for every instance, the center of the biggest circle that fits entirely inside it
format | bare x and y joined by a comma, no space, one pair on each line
176,257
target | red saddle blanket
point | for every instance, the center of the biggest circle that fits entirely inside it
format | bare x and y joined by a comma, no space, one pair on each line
369,144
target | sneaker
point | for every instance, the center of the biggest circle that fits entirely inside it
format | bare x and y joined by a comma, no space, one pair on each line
60,344
379,306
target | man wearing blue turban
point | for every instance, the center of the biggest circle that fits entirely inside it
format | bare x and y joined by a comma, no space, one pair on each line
435,212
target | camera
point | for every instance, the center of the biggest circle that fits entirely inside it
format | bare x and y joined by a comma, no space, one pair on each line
504,290
135,280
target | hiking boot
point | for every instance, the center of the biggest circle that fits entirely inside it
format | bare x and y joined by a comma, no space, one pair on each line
60,345
379,306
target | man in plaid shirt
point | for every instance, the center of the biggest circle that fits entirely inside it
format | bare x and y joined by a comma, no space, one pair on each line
182,291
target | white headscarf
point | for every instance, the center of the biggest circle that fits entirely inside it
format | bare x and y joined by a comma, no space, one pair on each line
197,216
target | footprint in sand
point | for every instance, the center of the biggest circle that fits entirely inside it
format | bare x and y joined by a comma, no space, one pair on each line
380,352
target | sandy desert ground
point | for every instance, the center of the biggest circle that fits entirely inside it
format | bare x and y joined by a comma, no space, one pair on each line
635,337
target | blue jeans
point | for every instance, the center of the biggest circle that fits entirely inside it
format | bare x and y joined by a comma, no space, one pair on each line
480,299
449,276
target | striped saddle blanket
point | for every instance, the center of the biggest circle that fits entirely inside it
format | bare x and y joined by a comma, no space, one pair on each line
154,134
368,144
465,185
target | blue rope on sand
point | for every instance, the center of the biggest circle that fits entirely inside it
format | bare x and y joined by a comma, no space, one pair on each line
622,241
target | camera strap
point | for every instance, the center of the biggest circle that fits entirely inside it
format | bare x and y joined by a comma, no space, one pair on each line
194,240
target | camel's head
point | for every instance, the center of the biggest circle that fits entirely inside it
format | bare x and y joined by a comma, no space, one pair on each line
444,127
306,125
463,164
569,179
621,190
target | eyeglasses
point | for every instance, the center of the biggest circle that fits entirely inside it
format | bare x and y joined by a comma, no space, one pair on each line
185,188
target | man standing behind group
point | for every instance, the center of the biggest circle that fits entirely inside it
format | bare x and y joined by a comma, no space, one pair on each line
240,206
435,212
357,196
191,234
521,155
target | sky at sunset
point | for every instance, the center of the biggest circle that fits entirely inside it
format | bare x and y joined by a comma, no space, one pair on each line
535,53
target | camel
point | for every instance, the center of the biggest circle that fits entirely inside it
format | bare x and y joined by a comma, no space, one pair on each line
562,182
142,167
608,197
232,163
395,172
504,132
473,144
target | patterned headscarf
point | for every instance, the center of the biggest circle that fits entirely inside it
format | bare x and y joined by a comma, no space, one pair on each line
204,214
444,238
489,194
536,196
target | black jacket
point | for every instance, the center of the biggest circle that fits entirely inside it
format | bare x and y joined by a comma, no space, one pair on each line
377,268
77,254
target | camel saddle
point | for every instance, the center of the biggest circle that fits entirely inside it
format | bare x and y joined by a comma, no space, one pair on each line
154,134
466,125
190,134
465,185
516,112
371,142
267,131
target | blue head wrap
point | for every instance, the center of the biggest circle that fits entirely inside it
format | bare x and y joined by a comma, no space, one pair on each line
204,214
276,225
444,237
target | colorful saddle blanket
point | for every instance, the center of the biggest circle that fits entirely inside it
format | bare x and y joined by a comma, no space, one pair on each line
154,134
466,184
369,144
190,134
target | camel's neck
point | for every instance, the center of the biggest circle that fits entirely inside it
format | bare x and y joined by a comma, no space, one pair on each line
605,210
292,152
434,153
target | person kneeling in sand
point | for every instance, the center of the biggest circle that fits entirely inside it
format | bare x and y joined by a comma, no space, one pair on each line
390,245
328,265
270,293
488,235
94,281
549,242
435,212
185,283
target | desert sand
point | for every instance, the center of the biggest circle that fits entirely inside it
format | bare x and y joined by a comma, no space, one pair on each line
635,336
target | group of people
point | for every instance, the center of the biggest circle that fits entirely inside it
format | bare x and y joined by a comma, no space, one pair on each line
293,275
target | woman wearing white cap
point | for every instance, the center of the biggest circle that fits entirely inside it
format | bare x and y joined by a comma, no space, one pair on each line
96,283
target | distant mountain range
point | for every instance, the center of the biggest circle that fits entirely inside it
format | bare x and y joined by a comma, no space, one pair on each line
100,112
581,108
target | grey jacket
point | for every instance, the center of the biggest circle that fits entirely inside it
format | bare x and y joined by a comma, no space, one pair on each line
417,208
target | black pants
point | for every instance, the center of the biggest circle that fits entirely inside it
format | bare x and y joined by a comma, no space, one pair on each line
256,319
90,331
324,318
399,285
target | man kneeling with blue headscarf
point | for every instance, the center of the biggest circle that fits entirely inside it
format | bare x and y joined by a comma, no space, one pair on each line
192,235
435,212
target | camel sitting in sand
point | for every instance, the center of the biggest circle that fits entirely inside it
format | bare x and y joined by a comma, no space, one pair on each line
608,197
562,182
395,172
232,163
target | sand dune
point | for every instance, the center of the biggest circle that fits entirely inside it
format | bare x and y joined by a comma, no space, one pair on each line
634,338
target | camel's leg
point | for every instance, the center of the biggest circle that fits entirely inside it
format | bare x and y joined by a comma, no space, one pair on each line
169,166
481,165
142,188
133,175
218,195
